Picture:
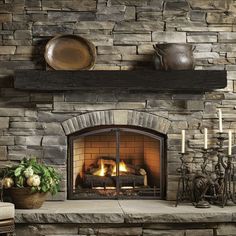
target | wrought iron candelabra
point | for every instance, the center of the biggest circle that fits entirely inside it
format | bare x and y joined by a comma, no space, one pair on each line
203,188
201,183
184,189
226,173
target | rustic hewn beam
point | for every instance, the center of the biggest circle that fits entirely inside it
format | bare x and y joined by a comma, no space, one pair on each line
189,80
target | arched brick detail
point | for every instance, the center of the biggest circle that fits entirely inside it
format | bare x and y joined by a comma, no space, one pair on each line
116,117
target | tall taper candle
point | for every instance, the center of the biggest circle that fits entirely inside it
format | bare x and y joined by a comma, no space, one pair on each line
183,142
220,121
205,138
230,143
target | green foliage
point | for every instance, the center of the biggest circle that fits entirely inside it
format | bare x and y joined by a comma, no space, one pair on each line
49,177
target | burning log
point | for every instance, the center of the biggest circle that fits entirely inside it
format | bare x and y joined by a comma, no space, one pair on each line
104,181
131,169
98,171
104,174
131,180
98,181
107,167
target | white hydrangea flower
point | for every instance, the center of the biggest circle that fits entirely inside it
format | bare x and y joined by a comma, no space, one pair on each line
33,180
28,172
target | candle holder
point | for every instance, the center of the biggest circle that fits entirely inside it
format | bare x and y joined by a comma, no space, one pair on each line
220,165
224,185
228,193
206,187
220,169
201,183
184,189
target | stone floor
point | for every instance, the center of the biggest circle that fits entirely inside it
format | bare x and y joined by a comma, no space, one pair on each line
124,211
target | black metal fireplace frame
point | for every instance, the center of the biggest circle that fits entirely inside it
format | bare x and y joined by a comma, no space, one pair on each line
99,129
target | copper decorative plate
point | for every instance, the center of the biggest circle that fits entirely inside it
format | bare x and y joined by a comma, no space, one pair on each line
70,52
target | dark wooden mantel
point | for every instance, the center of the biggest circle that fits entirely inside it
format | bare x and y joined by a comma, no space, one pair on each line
191,80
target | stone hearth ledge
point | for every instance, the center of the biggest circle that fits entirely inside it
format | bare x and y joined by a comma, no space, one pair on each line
123,211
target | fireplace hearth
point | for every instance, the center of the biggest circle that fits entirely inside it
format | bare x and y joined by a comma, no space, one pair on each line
116,162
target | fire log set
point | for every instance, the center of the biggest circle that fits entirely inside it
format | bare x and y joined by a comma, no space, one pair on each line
103,174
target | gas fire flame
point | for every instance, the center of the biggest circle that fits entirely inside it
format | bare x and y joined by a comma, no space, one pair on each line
103,169
122,168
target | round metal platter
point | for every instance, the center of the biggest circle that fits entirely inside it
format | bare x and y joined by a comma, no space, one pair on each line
70,52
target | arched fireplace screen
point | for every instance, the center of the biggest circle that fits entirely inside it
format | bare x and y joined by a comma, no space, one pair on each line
116,162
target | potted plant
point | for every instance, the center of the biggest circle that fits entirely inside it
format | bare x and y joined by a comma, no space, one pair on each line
29,182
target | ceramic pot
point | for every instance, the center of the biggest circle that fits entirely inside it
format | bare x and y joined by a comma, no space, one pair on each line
173,56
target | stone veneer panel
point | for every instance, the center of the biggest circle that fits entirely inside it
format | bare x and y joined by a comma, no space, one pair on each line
123,32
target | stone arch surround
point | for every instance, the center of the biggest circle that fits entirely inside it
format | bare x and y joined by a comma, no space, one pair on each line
117,117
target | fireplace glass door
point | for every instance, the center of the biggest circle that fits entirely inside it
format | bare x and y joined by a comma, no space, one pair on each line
116,162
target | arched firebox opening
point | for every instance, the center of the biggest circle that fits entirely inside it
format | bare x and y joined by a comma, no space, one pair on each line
117,162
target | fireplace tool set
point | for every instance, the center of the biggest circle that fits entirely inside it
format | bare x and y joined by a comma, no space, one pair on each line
208,187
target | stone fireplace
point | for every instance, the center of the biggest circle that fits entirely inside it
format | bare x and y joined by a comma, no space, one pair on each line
62,128
42,123
116,162
116,154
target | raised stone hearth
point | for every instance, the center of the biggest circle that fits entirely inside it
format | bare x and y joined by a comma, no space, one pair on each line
125,217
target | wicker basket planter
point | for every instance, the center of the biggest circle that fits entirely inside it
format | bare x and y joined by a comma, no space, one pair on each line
23,198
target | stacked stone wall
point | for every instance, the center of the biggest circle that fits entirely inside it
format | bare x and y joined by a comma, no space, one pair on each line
123,32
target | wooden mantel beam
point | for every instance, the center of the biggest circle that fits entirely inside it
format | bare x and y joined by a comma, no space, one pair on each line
189,80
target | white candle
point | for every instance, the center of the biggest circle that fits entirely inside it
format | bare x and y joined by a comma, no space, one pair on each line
205,138
220,121
183,142
230,143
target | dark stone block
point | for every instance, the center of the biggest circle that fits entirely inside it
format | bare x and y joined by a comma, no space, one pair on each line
176,6
52,30
39,17
60,16
129,2
18,65
32,4
70,5
55,153
197,16
25,42
87,16
112,13
16,26
54,161
6,81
